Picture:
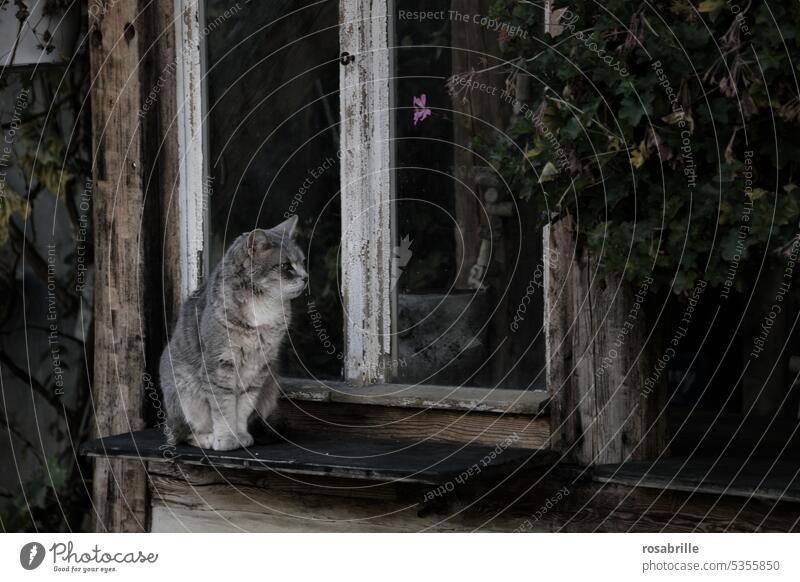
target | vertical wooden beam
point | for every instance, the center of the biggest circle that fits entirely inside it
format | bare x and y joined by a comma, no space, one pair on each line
120,486
367,191
602,409
188,121
167,170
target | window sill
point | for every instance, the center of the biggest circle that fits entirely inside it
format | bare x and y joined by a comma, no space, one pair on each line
352,457
757,479
526,402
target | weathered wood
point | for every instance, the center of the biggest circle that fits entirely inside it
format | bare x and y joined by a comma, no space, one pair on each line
422,396
120,488
532,432
356,456
367,192
730,476
599,360
619,508
166,177
188,122
203,499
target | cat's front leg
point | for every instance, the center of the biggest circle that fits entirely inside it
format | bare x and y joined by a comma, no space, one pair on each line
246,403
224,418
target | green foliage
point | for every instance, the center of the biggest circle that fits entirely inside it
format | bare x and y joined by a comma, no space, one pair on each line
36,506
10,204
656,105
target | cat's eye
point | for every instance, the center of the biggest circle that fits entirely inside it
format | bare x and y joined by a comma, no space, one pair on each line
286,267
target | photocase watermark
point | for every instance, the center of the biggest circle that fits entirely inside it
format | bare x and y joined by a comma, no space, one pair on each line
461,84
155,90
472,471
99,8
167,448
82,236
318,325
738,19
743,231
53,334
312,176
536,282
547,506
95,559
784,287
66,559
490,24
678,117
31,555
170,69
569,21
680,333
20,104
328,345
627,326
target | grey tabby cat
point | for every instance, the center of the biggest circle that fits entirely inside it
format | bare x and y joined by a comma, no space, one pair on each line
216,372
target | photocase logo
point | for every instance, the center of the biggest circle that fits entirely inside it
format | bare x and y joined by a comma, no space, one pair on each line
31,555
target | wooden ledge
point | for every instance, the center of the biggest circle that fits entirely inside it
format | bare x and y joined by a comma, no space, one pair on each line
528,402
759,479
348,456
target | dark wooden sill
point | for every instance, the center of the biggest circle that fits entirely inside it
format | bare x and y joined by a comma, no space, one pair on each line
757,479
335,455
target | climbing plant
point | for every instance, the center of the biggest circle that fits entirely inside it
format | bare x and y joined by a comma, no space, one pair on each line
666,129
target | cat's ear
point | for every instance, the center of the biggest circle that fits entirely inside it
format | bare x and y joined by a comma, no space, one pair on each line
256,240
287,227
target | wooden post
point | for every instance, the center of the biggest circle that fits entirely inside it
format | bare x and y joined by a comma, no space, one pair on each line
602,408
367,187
120,486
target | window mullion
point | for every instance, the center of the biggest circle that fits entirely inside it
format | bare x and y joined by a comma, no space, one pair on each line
189,91
367,188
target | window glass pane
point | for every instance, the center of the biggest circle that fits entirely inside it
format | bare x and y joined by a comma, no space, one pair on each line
467,248
273,112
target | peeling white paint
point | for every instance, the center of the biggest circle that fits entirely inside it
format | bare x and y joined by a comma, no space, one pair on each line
189,91
366,181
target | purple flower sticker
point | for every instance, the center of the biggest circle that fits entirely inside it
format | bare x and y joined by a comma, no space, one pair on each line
421,111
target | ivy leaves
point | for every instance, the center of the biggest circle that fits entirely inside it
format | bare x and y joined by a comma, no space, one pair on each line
656,172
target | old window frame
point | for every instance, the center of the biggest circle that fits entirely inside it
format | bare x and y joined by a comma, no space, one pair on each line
367,153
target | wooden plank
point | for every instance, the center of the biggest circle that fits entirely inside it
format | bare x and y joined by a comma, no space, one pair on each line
757,478
559,246
119,487
530,432
168,166
619,508
356,457
600,358
418,396
216,508
367,188
203,499
188,121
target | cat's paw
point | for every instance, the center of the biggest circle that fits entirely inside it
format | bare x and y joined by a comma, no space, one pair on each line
245,440
229,442
203,440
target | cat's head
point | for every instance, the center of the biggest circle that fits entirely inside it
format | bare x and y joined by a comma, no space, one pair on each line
272,261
